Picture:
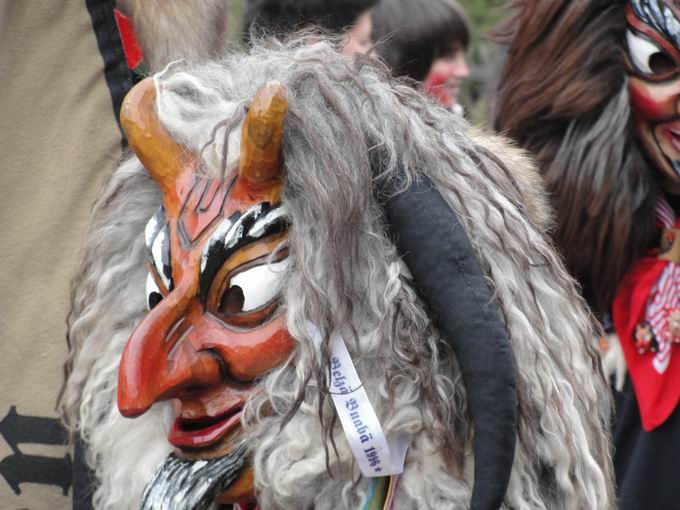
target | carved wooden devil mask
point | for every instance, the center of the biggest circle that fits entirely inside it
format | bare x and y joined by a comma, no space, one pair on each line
215,271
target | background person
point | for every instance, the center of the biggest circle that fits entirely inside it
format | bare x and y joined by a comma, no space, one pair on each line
592,90
425,40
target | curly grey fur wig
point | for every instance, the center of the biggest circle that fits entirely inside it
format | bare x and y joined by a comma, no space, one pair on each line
345,275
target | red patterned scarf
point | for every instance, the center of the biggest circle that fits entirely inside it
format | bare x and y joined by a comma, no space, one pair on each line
646,314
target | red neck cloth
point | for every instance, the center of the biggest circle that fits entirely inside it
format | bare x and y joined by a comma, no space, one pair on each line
646,314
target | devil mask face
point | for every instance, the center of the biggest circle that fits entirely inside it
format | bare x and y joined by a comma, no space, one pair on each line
653,64
217,259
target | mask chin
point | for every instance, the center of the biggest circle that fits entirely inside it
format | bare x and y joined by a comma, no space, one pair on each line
196,483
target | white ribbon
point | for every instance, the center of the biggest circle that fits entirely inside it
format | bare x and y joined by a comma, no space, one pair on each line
376,454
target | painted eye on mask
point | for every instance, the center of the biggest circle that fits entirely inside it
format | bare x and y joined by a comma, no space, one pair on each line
648,58
250,295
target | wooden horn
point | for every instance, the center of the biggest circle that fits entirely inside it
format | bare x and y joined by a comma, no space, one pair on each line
260,163
162,157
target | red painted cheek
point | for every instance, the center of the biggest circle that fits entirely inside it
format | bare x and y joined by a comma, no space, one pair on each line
434,82
250,354
649,101
435,79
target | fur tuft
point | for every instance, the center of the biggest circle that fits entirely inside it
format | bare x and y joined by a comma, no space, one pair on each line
576,120
347,121
170,30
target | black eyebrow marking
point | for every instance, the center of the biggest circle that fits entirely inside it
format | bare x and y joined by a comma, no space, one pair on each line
233,234
660,17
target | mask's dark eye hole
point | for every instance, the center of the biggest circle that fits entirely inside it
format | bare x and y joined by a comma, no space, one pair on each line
232,301
153,293
647,57
154,299
249,296
660,63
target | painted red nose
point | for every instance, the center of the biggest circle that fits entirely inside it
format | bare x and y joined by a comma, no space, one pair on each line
157,363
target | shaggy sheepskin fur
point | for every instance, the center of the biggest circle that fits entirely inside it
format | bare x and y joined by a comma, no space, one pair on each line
345,275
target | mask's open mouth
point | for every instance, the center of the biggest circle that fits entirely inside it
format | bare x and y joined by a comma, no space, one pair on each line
673,135
667,138
205,430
